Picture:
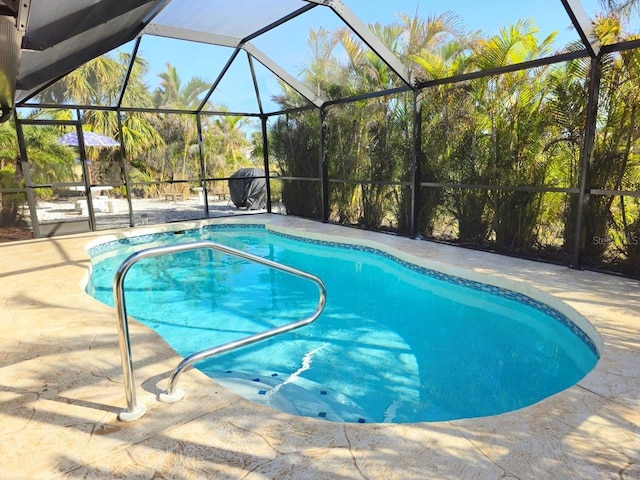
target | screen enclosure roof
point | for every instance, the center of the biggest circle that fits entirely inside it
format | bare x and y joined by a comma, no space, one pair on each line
247,51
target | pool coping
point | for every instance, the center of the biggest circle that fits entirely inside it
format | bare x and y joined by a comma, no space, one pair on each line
62,385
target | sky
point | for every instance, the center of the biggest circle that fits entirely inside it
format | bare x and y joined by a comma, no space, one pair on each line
287,44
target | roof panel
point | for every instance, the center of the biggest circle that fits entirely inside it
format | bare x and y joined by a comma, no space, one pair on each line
63,35
235,92
50,23
62,92
318,52
239,18
295,58
162,53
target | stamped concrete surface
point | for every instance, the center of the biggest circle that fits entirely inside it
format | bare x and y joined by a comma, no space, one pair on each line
61,387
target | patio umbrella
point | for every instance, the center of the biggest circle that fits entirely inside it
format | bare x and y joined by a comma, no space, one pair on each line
90,140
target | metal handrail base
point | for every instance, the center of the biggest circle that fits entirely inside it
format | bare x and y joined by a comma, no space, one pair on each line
132,416
174,397
174,394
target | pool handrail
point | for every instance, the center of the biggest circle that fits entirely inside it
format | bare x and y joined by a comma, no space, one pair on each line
173,394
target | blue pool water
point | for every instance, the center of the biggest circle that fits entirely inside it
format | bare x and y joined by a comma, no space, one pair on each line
396,342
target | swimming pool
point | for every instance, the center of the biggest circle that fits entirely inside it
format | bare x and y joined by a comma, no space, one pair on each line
396,343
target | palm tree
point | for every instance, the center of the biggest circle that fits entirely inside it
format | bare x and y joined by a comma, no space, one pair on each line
294,149
363,133
513,107
226,143
621,9
440,48
171,93
178,131
432,42
324,73
376,146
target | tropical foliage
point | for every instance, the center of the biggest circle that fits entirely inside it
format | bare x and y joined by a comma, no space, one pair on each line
499,155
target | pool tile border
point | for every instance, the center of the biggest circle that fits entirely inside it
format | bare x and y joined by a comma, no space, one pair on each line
483,287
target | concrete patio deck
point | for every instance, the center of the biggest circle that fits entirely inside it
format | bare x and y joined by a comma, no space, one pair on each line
61,387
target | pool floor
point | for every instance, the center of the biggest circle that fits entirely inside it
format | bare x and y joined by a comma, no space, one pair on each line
62,389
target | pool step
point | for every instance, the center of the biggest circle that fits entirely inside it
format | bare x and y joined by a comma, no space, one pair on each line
297,396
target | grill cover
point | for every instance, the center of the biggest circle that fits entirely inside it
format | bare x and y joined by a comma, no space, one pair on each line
247,192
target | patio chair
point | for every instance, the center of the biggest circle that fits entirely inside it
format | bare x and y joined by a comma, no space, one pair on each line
176,191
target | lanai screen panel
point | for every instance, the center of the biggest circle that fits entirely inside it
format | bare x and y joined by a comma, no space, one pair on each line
237,19
236,92
98,82
480,20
